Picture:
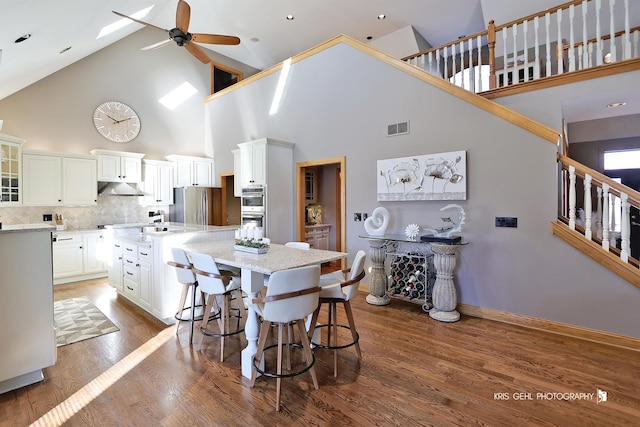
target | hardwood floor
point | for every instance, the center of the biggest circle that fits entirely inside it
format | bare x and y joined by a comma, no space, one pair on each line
414,371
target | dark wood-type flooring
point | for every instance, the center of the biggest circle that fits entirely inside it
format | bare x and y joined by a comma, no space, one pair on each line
414,371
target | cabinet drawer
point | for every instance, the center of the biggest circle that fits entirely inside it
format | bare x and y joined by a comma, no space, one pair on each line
130,272
130,248
64,238
130,288
145,253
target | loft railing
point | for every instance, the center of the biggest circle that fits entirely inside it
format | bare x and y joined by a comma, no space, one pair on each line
576,35
597,208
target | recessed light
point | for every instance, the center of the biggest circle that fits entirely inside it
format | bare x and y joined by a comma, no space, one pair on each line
290,17
22,38
616,104
382,16
369,37
65,49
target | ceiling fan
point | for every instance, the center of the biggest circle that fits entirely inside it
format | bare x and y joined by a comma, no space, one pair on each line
182,37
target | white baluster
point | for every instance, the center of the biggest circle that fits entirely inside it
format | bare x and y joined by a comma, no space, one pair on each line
599,41
445,59
612,218
505,68
585,37
430,60
472,71
572,197
516,75
560,43
624,227
453,64
525,50
605,217
462,66
438,63
580,55
612,28
480,73
636,36
599,212
572,59
627,32
587,206
547,22
590,55
537,59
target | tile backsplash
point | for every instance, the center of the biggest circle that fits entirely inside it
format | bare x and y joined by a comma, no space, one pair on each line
109,210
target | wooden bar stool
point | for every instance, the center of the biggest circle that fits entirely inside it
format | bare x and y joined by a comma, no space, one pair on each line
291,296
338,288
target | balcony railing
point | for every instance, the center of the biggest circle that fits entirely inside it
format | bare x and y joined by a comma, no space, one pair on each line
574,36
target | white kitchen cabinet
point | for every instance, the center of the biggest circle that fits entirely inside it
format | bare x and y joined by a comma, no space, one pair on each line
269,162
137,273
119,166
157,182
79,181
93,252
318,236
42,179
10,169
115,268
67,255
57,179
78,256
192,171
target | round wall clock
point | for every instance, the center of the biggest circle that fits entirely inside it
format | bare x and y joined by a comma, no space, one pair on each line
116,121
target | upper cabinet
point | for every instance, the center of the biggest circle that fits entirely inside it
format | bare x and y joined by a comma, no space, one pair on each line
119,166
10,157
190,171
261,159
55,179
157,182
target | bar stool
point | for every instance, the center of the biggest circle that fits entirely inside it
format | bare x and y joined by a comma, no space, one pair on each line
185,276
291,296
218,286
338,287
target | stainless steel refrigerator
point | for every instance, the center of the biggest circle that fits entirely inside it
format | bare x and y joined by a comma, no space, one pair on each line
197,205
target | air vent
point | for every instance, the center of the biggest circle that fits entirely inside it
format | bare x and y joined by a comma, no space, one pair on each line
398,129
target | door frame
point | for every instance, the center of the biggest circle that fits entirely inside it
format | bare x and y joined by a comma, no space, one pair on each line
340,194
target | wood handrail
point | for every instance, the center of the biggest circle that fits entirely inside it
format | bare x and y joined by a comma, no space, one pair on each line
581,170
449,44
604,37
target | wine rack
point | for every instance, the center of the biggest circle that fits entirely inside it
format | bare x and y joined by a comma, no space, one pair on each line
410,272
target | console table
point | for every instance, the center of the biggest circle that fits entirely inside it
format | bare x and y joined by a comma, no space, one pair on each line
444,296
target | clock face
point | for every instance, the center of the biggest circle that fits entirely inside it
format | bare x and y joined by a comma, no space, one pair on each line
116,121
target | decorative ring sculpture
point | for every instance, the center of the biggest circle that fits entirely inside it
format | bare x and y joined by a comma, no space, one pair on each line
377,223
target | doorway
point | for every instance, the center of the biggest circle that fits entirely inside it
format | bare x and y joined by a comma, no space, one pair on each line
321,183
230,203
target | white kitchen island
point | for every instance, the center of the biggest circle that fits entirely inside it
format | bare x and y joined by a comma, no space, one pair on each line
27,335
137,261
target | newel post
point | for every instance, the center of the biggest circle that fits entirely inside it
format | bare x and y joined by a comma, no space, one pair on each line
491,37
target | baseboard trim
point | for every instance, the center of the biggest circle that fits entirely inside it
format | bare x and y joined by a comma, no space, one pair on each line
564,329
553,327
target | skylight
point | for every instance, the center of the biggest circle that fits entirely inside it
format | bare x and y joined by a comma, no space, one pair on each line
121,23
178,95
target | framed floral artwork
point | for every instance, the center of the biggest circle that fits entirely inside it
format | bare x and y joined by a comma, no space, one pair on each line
441,176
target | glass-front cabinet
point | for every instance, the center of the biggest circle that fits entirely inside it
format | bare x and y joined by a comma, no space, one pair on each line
10,156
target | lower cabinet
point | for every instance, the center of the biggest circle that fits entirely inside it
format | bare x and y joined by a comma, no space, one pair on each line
78,256
115,268
137,276
318,236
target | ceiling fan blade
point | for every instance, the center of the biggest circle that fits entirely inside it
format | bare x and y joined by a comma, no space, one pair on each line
139,22
183,14
157,45
198,53
214,39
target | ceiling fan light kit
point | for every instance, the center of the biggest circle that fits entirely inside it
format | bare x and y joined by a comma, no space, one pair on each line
183,38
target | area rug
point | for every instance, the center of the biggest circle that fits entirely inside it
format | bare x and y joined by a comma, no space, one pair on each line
77,319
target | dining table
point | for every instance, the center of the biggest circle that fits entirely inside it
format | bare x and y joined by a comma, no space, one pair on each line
255,269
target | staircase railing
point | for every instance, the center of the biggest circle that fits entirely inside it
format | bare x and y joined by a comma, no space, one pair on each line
597,208
576,35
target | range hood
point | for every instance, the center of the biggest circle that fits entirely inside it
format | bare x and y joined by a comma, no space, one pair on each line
118,189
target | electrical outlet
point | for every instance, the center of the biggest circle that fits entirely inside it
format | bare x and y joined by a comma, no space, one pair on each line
506,221
357,216
47,217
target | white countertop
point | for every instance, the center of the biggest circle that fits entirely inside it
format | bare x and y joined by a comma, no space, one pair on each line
26,227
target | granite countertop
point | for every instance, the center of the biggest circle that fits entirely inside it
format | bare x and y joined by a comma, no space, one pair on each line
17,228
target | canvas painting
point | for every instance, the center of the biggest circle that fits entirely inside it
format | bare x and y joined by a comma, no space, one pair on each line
441,176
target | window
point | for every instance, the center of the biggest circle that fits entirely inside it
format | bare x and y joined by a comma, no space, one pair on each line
622,159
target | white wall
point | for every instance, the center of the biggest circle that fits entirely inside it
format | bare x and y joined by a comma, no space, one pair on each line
339,102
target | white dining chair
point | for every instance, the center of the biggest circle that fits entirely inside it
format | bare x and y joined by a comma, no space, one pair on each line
339,287
291,296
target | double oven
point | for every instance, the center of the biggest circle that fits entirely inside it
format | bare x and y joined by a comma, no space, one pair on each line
253,207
